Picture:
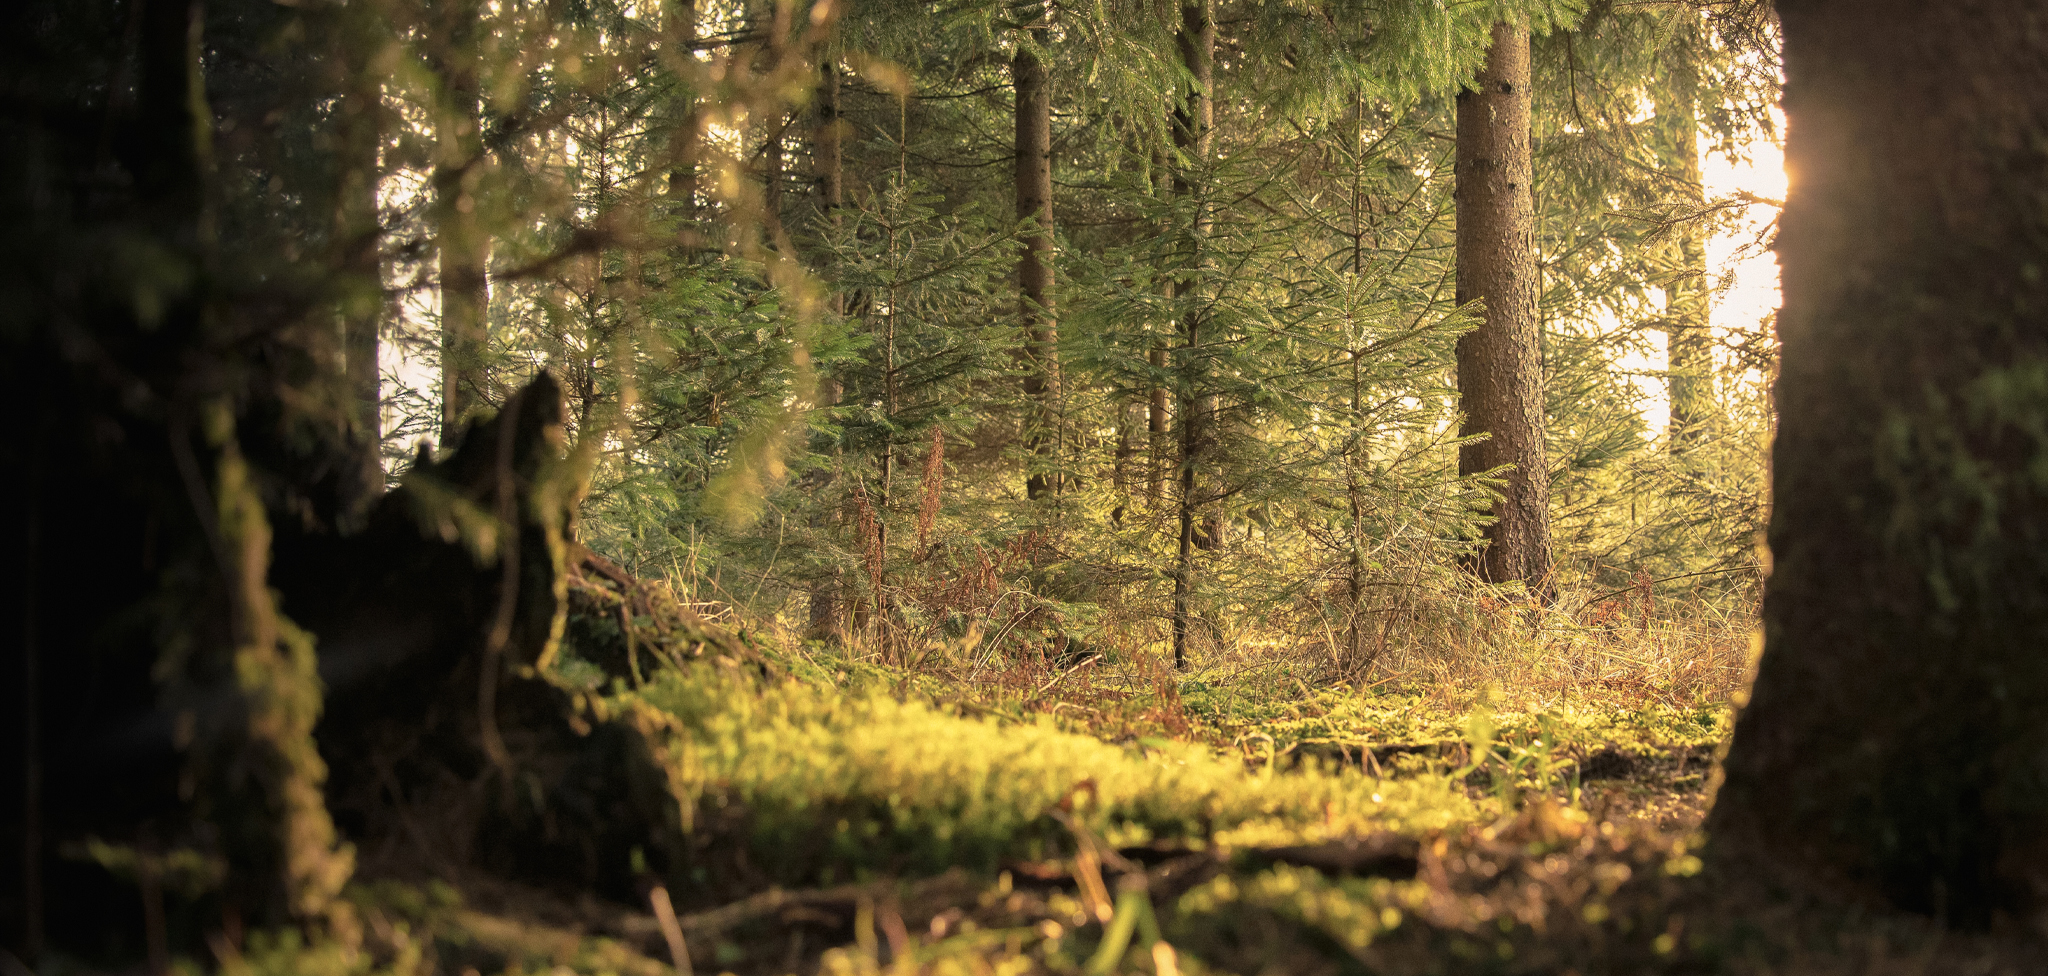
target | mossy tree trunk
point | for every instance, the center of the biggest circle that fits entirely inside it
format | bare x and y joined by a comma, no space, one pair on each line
174,704
1500,364
182,456
1896,737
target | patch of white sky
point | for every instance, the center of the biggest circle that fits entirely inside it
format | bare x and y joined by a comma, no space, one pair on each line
1740,268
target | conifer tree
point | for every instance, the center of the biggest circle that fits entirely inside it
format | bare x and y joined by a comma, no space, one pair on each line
1500,370
1194,121
1039,353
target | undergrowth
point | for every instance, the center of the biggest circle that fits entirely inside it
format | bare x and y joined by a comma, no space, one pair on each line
1522,797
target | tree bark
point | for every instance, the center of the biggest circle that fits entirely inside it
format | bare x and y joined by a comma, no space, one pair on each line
1500,366
1158,447
772,166
827,155
828,592
1194,122
1034,258
680,23
464,252
359,238
1893,740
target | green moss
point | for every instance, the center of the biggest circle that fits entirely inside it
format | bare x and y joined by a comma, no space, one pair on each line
854,779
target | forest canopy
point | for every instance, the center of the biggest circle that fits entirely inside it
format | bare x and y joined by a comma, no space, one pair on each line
816,312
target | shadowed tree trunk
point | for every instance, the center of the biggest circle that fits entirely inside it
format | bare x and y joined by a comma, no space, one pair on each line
1500,365
182,457
679,21
1034,258
358,234
464,248
1194,121
772,165
766,53
1158,447
146,459
828,591
826,153
1896,735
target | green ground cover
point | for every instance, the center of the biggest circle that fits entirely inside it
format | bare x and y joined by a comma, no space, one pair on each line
847,818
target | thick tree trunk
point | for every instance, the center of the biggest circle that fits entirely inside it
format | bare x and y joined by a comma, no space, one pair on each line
177,709
1194,121
464,255
1034,258
1500,366
1894,739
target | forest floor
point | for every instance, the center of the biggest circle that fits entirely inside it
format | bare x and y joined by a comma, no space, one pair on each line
1521,805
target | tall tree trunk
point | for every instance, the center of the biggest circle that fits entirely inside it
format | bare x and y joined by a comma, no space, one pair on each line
772,163
826,140
680,24
1355,452
359,238
1159,449
1500,366
772,24
1034,258
464,252
1894,739
1194,121
360,266
828,592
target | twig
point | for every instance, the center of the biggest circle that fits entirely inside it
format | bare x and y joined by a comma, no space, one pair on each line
775,899
665,914
1062,676
764,904
1632,587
